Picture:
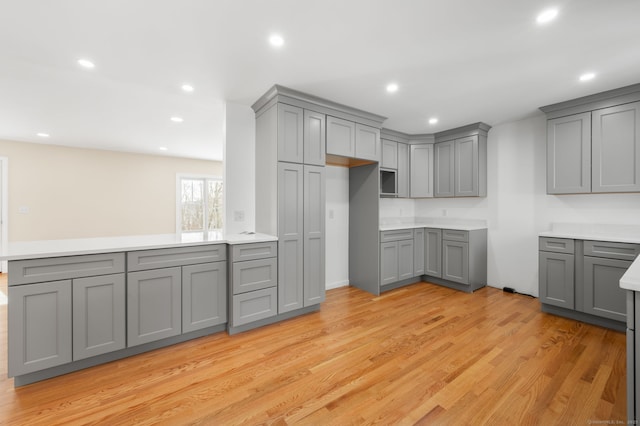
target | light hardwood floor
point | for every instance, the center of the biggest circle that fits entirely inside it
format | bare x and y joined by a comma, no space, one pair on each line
422,354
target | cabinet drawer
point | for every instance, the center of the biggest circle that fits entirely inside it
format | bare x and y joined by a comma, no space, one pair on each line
175,256
66,267
455,235
254,306
254,275
557,245
396,235
241,252
609,250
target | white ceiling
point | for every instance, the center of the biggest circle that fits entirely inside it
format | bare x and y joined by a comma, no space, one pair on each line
460,60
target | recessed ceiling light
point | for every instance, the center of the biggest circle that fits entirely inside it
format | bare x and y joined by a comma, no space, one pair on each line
163,148
547,16
177,119
276,40
392,87
587,76
187,88
433,120
43,135
85,63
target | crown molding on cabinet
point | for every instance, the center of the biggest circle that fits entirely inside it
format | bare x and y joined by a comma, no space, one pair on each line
600,100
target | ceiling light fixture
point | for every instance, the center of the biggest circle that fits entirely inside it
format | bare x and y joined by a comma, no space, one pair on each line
433,120
187,88
547,16
392,87
276,40
177,119
587,76
85,63
163,148
43,135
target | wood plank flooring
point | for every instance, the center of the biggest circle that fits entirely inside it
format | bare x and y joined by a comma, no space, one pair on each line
422,354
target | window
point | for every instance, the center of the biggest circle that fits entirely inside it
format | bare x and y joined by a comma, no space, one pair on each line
200,205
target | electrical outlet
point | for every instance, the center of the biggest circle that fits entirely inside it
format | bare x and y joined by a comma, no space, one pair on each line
23,210
238,216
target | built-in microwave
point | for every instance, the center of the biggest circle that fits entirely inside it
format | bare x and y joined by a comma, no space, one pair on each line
388,183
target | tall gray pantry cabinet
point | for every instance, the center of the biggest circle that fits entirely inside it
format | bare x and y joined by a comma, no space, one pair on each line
290,200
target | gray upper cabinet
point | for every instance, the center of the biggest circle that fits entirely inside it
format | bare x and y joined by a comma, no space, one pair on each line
290,236
154,299
402,175
433,252
444,168
99,315
39,317
341,137
204,296
290,133
367,142
421,182
389,154
467,180
616,149
314,235
569,154
314,138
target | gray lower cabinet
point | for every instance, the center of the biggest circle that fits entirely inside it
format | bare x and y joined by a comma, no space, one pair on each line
154,302
396,256
99,315
556,279
314,235
388,263
455,261
433,252
602,293
40,327
204,295
418,252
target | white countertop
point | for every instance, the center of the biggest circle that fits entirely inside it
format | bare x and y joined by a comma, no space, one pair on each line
631,279
71,247
390,224
459,227
595,232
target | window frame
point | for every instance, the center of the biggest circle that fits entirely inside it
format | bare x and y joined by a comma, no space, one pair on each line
194,176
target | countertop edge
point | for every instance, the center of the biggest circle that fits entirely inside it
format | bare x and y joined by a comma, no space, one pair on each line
631,279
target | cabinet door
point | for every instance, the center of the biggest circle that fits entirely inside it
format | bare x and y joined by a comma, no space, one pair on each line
444,177
39,326
314,138
556,279
418,252
341,137
433,252
466,167
569,154
290,133
421,182
388,263
204,295
616,149
405,259
99,315
290,236
153,305
402,175
455,261
314,240
602,293
367,142
389,155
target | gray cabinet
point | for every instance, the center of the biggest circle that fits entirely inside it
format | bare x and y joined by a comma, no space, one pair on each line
569,154
314,235
460,162
341,137
422,171
602,293
463,255
402,175
388,263
290,133
154,299
99,315
40,328
405,259
455,261
556,279
396,256
616,149
367,142
433,252
418,252
204,296
314,140
389,154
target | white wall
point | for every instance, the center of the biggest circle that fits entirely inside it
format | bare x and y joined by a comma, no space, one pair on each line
337,227
239,168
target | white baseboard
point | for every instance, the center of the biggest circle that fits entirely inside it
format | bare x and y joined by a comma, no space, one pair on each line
331,286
